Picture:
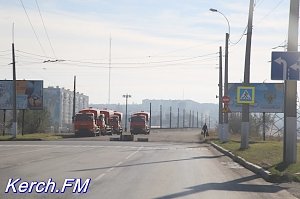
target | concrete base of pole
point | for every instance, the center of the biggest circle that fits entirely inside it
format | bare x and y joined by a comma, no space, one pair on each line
14,129
220,132
226,132
291,140
245,135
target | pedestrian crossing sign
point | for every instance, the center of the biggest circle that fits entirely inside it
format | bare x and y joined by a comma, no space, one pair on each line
246,94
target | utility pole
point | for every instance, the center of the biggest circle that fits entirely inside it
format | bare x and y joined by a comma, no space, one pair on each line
290,99
197,119
170,116
245,107
193,118
14,123
220,127
178,118
109,69
4,125
74,98
160,118
126,117
225,125
190,117
183,118
150,122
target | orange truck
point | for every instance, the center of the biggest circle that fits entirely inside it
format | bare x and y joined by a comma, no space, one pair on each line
105,127
139,123
86,122
116,123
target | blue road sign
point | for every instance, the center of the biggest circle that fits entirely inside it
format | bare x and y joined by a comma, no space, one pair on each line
285,66
245,94
268,97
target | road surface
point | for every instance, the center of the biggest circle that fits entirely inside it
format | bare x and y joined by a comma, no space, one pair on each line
132,170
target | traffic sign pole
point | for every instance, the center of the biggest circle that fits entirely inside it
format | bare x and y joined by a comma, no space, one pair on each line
245,127
290,99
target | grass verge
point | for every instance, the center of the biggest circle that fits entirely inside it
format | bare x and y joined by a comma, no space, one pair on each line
31,137
268,155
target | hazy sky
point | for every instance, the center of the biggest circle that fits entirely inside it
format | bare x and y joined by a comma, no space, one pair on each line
160,49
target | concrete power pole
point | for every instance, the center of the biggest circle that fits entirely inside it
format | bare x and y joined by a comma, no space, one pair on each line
290,101
225,125
245,108
14,123
220,127
74,98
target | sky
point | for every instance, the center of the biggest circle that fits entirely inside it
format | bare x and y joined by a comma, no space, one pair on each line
150,49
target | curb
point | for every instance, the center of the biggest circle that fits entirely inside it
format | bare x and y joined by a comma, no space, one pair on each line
142,140
266,175
126,137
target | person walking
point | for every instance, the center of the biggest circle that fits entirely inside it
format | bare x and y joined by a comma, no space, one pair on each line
205,130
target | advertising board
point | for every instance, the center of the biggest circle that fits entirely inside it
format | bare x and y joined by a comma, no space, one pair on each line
269,98
29,94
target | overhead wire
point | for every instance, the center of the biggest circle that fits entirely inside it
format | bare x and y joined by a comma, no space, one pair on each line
36,36
241,37
256,4
36,1
140,66
182,49
271,11
37,56
143,63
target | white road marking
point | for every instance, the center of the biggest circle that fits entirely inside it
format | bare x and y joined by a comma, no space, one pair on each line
3,155
109,170
109,146
100,176
119,163
132,154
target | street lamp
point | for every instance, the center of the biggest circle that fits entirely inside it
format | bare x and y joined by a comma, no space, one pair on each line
126,97
215,10
225,124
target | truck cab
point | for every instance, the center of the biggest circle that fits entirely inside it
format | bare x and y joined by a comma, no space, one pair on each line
85,124
139,123
116,123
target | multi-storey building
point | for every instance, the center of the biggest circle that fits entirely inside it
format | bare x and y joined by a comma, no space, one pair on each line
59,102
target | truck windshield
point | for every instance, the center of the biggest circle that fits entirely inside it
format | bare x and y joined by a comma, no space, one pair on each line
137,119
84,117
114,119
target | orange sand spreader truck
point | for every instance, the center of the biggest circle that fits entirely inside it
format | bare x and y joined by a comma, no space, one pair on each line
105,126
139,123
86,122
116,123
92,122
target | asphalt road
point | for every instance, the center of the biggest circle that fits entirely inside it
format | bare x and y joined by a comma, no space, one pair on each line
164,167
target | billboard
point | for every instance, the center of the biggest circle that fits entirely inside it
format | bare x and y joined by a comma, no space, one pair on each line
269,98
29,94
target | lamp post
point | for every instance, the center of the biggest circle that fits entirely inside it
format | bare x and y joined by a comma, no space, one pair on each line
225,124
126,97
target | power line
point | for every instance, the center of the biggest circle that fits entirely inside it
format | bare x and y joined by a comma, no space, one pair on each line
272,10
141,66
37,38
2,51
241,37
37,55
182,49
45,28
120,63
